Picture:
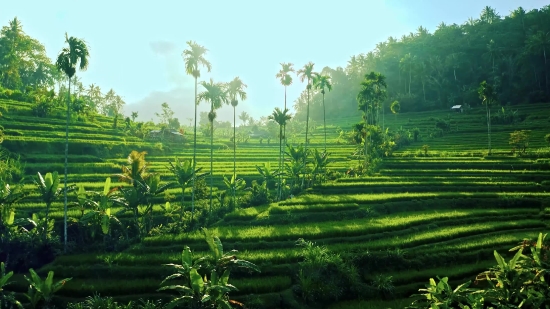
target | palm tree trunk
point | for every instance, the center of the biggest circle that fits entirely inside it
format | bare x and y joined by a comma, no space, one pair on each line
410,79
194,156
280,160
488,126
283,153
366,133
183,200
383,118
545,70
490,149
307,131
234,152
211,156
324,122
66,164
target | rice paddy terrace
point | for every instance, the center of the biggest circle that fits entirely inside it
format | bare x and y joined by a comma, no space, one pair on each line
421,216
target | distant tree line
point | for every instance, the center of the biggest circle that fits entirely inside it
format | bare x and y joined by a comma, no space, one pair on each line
427,71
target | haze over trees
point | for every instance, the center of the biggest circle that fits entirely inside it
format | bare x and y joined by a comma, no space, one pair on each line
436,70
363,224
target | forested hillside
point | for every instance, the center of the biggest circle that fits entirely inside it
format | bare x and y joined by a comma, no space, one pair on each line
27,74
436,70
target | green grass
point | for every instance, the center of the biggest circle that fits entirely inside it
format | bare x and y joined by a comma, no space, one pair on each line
453,206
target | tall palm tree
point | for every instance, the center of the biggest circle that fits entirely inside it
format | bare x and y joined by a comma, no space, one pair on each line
307,73
235,90
216,95
281,118
194,58
405,63
74,55
94,94
321,82
488,97
286,80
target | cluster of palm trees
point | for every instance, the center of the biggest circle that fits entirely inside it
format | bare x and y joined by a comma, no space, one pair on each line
281,117
76,56
217,94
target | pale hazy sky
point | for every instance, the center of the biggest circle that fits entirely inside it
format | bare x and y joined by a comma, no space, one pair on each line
136,46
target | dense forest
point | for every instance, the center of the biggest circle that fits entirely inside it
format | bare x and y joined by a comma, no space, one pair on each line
437,70
27,74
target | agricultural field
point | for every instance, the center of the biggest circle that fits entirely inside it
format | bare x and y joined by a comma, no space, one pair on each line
426,213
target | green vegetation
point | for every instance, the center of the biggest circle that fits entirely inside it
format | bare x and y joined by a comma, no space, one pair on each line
362,215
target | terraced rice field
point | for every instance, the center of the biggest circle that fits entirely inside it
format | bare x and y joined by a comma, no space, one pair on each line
420,217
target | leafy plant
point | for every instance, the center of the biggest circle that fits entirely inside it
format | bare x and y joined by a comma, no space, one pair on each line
441,295
7,300
49,190
201,291
42,290
234,185
185,173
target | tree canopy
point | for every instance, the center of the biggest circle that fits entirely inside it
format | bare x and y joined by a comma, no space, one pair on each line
437,70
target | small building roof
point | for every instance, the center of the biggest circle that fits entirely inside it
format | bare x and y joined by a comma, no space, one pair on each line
456,106
176,133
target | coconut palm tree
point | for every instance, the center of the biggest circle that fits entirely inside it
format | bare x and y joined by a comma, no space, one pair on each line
281,118
321,82
307,73
286,80
216,95
488,97
194,58
235,90
94,94
74,55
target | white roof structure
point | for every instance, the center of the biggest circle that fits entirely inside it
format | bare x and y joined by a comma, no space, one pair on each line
456,107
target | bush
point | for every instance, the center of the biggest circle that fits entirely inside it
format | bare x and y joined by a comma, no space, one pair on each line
547,138
258,195
443,125
42,109
324,276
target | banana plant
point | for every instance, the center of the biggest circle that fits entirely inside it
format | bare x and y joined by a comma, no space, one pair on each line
101,209
40,227
441,295
8,197
298,161
7,300
203,291
509,278
82,202
42,290
234,185
268,174
49,189
138,200
184,174
320,163
221,260
4,277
